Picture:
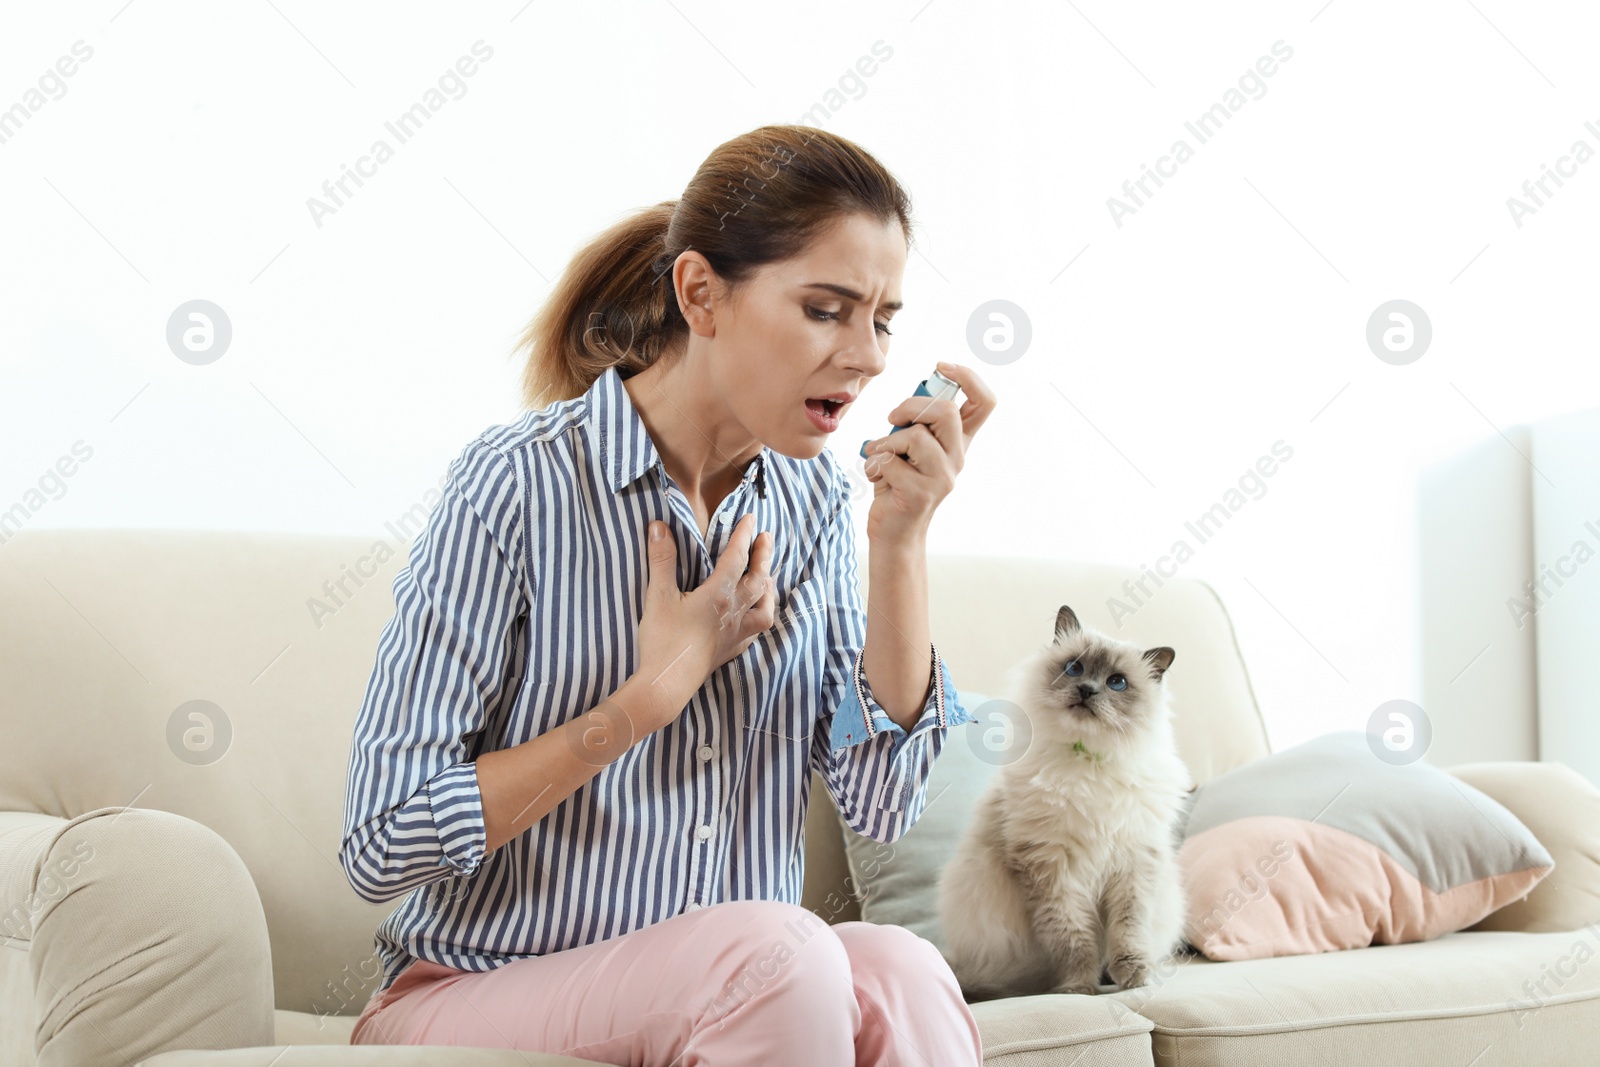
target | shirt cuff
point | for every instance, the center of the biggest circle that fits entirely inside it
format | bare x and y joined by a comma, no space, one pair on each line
862,718
457,809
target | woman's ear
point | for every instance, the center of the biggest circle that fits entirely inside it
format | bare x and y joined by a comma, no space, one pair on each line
693,283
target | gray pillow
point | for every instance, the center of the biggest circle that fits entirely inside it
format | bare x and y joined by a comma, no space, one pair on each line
1332,845
899,881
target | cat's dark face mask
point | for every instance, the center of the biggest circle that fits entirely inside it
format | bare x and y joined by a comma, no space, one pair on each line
1101,684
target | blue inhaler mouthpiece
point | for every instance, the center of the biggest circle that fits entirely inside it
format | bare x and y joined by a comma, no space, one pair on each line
936,386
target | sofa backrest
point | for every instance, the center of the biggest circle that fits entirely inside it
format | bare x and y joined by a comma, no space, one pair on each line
111,639
987,612
107,638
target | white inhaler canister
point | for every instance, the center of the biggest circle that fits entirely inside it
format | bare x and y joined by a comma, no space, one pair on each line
936,386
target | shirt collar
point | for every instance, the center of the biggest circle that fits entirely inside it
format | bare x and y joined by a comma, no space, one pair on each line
621,441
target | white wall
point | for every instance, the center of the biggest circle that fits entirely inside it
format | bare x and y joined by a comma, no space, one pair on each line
1167,354
1479,667
1565,599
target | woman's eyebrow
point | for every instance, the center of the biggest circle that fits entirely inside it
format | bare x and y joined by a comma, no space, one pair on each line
846,291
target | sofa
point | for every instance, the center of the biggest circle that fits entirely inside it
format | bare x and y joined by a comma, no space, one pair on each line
179,708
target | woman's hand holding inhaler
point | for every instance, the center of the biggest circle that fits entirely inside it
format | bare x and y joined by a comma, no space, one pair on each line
914,471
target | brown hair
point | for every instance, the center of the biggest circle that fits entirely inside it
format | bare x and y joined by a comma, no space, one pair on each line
757,199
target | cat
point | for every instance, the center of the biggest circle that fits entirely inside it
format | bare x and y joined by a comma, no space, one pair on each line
1068,868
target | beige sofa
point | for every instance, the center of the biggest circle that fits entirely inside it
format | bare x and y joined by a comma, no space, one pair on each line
158,898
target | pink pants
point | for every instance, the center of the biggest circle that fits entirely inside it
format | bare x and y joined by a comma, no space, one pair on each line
742,982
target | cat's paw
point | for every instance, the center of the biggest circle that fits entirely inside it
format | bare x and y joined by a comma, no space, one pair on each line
1082,986
1129,972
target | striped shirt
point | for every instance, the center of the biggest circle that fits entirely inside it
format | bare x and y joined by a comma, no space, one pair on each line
518,611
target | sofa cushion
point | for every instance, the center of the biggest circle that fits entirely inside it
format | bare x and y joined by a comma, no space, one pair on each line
1562,808
1054,1030
142,933
311,1028
1326,846
1485,999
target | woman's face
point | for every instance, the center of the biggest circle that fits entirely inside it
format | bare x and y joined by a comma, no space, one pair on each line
809,327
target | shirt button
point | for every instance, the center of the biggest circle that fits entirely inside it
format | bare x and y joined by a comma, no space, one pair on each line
693,904
705,752
704,832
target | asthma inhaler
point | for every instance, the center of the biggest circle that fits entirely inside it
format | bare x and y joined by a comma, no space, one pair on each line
934,385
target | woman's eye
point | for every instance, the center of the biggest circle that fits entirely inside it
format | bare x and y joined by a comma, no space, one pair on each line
1074,668
1117,682
827,316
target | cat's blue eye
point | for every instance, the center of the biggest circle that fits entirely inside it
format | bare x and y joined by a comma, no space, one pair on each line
1074,668
1117,682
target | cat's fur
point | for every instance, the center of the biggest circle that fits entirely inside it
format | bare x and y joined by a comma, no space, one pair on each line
1069,863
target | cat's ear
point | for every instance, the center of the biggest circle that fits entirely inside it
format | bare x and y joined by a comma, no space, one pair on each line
1159,659
1066,622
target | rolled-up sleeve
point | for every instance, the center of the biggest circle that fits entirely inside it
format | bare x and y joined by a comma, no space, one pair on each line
413,812
876,771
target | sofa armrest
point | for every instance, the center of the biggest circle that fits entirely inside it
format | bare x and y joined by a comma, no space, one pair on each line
1562,809
144,933
365,1056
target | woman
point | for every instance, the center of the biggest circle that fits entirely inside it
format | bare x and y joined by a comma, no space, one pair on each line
612,773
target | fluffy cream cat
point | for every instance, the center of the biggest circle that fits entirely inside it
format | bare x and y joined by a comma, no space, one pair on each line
1070,862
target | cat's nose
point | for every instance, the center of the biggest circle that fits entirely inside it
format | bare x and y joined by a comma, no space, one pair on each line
1087,690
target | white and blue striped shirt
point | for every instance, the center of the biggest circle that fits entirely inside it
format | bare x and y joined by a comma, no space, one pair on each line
519,610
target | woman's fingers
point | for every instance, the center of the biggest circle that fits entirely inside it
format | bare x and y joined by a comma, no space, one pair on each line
980,399
736,557
769,595
941,418
762,567
757,585
940,421
763,556
919,450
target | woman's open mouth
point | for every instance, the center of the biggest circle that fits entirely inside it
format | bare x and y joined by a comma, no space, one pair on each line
825,413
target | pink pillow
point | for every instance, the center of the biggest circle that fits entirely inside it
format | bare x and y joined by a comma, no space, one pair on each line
1325,846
